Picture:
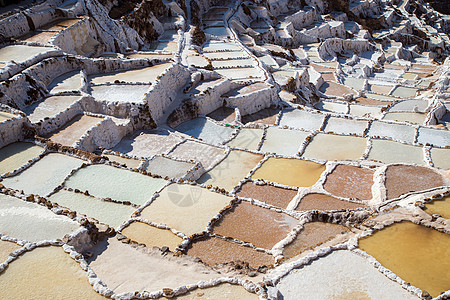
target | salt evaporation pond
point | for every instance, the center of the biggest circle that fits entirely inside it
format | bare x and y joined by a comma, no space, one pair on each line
32,222
70,81
250,223
316,201
440,207
105,181
398,132
283,141
415,253
389,152
402,179
151,236
124,268
6,248
345,126
145,75
50,107
248,138
120,93
301,119
409,106
171,168
335,147
178,203
413,118
15,155
205,154
357,279
52,169
439,138
206,130
231,170
107,212
312,235
147,143
290,172
276,196
74,129
129,162
46,273
21,53
332,107
214,250
350,182
440,158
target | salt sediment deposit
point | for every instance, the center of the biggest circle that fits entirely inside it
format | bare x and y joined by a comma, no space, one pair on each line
224,150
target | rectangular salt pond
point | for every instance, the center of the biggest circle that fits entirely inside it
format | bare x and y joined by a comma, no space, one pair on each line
240,73
186,208
104,181
355,83
439,138
164,46
214,47
409,117
334,89
247,138
345,126
146,143
113,214
148,74
21,53
150,55
50,107
335,147
302,119
233,63
52,169
440,158
404,92
390,152
409,106
380,97
206,130
221,32
440,207
151,236
32,222
394,131
120,93
74,129
283,141
231,170
417,254
229,55
6,116
129,162
171,168
365,111
290,172
70,81
205,154
15,155
332,107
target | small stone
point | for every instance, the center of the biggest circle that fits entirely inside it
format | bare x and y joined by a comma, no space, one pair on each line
252,274
167,291
120,237
426,295
262,269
